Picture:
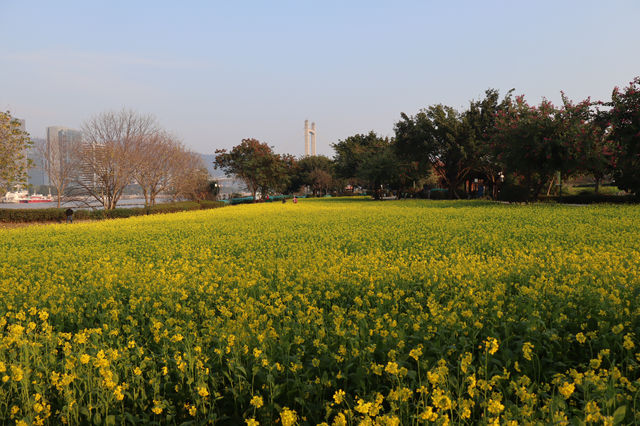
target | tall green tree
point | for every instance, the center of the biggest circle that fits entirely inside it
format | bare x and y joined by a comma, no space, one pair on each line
314,171
277,173
256,164
529,142
13,153
367,160
380,168
624,119
481,118
438,137
350,152
585,134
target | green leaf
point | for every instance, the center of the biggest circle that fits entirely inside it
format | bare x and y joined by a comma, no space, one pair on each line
619,414
85,412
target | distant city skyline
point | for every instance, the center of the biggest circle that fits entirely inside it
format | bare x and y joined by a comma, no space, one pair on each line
214,74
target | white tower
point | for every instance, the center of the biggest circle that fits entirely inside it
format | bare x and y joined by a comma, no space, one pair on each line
309,131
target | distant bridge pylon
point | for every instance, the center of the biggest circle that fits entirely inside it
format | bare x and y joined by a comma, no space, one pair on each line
309,131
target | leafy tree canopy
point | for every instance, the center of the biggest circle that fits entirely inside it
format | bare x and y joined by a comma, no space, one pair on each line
256,164
439,137
624,119
13,145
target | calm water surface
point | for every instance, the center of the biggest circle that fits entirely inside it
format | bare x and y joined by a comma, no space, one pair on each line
132,202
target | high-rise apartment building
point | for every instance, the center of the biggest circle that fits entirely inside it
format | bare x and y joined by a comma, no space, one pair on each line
37,176
61,144
63,139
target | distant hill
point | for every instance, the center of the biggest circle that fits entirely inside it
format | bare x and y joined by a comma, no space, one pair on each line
228,186
208,160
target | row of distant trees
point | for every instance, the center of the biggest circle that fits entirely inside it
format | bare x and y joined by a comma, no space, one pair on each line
265,172
117,149
123,147
503,141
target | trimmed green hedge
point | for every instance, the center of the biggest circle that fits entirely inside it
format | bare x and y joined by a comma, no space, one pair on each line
58,215
592,199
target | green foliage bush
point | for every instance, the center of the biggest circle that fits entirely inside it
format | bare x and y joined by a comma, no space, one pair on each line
438,194
31,215
513,191
591,198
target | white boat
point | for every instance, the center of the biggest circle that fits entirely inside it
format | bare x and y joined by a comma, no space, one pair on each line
22,196
15,196
37,198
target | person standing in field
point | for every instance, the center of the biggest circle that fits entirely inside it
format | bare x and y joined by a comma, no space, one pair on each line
295,199
69,214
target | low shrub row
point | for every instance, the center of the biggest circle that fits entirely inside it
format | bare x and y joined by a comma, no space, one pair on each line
58,215
592,199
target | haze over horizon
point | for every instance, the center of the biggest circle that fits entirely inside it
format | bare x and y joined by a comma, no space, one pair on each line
214,74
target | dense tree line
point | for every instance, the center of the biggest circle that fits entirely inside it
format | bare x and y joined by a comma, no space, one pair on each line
503,142
506,144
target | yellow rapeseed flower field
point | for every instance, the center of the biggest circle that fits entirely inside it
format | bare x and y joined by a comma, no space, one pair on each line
338,311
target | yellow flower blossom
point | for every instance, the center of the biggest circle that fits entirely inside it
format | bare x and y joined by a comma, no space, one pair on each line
491,345
338,396
566,389
256,401
628,342
429,415
391,368
416,353
117,392
527,349
16,373
288,417
339,420
495,407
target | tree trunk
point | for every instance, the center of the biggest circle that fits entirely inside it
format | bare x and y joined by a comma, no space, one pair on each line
452,190
537,189
553,179
597,188
146,197
59,195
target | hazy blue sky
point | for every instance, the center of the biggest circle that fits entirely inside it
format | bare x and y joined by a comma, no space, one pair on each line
217,72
